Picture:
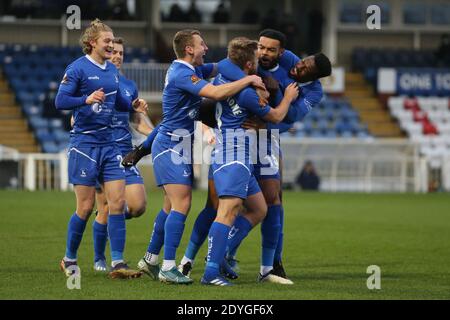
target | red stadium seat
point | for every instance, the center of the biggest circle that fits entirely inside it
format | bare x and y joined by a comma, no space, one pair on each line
429,128
411,104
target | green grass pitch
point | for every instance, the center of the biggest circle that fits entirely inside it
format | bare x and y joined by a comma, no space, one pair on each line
330,240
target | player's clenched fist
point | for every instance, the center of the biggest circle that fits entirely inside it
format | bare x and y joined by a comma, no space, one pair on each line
98,96
140,105
291,91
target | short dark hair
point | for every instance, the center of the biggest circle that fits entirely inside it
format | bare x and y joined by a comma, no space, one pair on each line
118,40
323,65
274,34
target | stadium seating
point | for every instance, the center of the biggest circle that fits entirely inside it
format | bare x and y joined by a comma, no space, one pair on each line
332,118
32,70
368,61
426,121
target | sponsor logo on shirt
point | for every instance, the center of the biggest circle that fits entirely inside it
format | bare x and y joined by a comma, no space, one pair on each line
186,174
94,78
193,114
195,79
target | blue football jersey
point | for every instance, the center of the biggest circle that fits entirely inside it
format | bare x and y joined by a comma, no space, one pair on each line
180,101
310,93
232,140
120,119
93,123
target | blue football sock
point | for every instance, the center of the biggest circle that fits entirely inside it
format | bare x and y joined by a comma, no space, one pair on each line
147,144
173,231
200,231
238,232
270,231
117,234
100,235
74,235
279,249
217,244
157,238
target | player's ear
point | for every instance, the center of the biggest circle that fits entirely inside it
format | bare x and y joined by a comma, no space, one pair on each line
93,43
189,50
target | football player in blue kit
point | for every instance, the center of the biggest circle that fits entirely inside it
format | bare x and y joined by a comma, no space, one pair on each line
285,67
172,146
232,166
135,195
90,87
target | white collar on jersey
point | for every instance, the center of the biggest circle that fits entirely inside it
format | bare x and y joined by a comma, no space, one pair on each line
185,63
302,84
274,68
101,66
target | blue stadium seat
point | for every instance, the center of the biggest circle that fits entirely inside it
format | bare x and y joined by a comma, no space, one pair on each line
38,123
50,147
44,135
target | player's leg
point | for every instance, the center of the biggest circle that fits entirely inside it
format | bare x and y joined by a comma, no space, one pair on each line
232,184
217,240
180,197
136,200
85,197
271,225
135,195
175,176
100,230
113,178
278,268
255,212
200,229
149,264
82,171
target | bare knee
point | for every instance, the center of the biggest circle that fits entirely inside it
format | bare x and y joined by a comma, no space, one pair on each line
117,204
84,208
102,217
137,210
272,197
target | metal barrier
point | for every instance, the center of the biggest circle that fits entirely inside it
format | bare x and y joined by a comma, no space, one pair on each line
382,165
149,77
342,164
35,171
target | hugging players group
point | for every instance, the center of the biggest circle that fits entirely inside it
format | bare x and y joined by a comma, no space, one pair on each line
260,85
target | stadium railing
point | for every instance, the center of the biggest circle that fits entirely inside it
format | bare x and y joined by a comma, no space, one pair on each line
344,165
149,78
358,165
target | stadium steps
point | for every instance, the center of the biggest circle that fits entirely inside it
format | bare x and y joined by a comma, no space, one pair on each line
14,130
362,97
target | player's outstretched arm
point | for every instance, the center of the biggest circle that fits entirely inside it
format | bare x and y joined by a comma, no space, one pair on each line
276,115
227,90
304,104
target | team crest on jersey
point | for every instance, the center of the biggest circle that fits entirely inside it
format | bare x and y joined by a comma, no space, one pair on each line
193,114
97,107
65,79
127,93
195,79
